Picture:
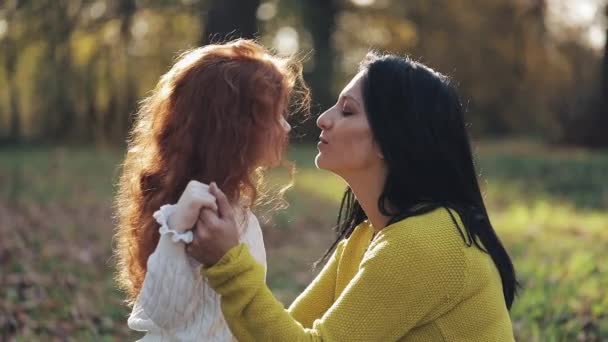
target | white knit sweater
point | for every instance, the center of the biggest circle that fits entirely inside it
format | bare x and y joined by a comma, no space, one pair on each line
176,303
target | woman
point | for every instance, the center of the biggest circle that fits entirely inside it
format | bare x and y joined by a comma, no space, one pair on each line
218,114
416,258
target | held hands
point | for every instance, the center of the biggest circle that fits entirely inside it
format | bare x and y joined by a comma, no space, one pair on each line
216,231
195,197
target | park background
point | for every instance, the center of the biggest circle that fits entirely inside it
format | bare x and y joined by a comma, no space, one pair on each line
533,75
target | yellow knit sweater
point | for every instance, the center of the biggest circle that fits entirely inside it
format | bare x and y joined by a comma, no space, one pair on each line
415,281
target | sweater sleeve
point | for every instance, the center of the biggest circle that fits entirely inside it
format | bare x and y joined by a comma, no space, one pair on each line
254,238
170,293
319,295
401,282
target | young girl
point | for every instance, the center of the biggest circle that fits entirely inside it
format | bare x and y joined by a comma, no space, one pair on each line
217,115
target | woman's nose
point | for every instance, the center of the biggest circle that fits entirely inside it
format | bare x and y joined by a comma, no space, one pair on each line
323,121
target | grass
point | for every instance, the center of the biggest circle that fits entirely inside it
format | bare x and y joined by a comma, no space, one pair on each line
547,204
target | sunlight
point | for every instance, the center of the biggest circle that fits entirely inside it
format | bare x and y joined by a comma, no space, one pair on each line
266,11
140,28
363,3
584,15
3,28
286,41
596,36
97,9
573,13
581,12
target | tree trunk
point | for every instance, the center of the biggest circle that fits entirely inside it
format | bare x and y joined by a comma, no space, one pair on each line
597,137
10,69
603,107
227,19
126,85
57,84
90,125
319,19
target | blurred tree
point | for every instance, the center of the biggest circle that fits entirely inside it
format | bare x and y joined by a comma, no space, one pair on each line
595,133
58,20
481,42
604,87
9,47
319,21
318,18
75,68
601,125
227,19
123,97
90,108
583,106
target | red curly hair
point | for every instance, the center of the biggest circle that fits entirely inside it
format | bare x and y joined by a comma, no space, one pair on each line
215,116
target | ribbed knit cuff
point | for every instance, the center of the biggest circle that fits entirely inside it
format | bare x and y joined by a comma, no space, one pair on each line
162,217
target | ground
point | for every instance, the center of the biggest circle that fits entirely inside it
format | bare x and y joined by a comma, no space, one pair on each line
547,204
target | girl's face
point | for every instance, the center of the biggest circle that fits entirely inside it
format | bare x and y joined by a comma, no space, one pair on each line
278,137
346,141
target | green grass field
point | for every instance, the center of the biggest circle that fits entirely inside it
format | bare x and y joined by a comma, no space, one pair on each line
548,205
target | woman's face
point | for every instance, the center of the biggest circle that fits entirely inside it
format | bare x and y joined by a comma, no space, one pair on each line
346,143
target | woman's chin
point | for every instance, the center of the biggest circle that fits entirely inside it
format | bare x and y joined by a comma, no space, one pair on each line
319,162
322,163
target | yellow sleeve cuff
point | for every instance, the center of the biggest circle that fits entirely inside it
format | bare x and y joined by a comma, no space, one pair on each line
236,264
226,259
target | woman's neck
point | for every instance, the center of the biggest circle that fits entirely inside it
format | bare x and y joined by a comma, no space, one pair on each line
367,187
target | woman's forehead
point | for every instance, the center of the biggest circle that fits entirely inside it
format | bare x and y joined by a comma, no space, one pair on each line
353,88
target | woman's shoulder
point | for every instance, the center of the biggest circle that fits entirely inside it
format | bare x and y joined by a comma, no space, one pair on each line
433,237
440,224
420,249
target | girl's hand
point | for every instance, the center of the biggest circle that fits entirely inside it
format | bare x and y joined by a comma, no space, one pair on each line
195,197
216,231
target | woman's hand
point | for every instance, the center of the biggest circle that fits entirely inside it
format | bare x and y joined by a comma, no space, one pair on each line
195,197
216,231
